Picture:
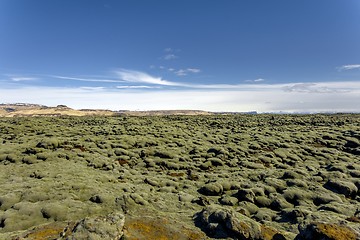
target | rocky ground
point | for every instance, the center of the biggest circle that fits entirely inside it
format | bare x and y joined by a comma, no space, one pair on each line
180,177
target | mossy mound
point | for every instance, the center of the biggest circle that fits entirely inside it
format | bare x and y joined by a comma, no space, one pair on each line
281,172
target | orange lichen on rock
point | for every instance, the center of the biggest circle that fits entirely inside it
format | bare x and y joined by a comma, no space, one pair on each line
338,232
329,231
268,233
45,232
158,228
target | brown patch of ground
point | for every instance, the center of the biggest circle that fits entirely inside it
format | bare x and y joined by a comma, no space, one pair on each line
45,232
158,228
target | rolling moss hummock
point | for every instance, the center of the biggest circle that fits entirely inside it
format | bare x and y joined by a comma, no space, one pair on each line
282,171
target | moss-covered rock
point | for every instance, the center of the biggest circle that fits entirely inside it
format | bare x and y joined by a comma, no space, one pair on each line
346,188
212,189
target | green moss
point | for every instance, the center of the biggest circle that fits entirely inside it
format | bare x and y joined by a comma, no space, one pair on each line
55,211
48,143
13,158
159,158
29,159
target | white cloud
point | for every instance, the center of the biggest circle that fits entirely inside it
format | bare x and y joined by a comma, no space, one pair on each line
246,97
185,72
349,67
169,50
18,79
181,72
193,70
141,77
170,56
255,80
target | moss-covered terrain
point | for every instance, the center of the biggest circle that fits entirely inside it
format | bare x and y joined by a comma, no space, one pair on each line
282,172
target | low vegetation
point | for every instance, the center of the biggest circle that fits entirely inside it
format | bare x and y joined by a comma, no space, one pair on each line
280,172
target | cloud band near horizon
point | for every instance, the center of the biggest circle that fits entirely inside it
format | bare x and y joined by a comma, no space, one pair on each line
269,98
135,90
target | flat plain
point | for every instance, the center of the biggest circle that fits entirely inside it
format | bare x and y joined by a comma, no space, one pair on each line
223,177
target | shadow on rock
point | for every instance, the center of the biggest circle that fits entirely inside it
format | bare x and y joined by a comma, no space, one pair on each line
219,223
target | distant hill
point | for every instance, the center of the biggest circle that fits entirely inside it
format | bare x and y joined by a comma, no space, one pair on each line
33,110
165,112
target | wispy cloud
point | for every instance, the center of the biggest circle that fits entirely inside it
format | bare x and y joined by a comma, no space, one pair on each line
170,56
255,80
299,87
148,81
141,77
349,67
193,70
142,80
136,87
125,79
19,79
92,88
181,72
330,87
169,50
185,72
86,79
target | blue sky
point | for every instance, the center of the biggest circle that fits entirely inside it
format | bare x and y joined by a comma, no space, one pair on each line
231,55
